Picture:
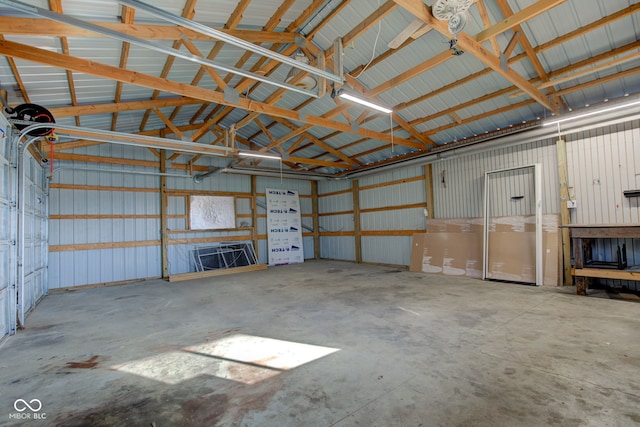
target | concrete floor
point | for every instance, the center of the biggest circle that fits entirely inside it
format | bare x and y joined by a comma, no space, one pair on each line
385,347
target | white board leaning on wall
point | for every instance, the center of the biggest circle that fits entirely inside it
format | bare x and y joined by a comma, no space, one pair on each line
284,227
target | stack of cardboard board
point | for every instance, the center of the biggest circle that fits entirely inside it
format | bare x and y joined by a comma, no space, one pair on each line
454,247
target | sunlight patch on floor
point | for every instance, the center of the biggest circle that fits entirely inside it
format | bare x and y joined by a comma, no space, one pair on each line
244,358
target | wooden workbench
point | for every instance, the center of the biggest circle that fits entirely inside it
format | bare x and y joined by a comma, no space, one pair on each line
581,234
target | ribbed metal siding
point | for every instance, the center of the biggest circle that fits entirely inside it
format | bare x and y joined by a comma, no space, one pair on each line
461,193
505,190
391,249
336,247
602,164
83,267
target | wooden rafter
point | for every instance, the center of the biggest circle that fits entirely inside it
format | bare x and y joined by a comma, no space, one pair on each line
168,122
528,48
17,77
40,27
121,106
352,35
486,21
518,18
29,53
607,20
187,12
56,6
231,23
290,131
128,15
472,46
293,26
315,140
591,65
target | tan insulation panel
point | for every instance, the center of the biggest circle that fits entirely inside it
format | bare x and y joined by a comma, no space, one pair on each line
454,247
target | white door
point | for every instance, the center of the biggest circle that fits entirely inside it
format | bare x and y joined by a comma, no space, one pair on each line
512,225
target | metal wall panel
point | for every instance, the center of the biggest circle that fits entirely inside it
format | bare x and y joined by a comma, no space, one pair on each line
375,197
78,267
512,192
394,250
336,247
336,223
336,203
459,181
114,224
602,164
405,219
404,190
392,175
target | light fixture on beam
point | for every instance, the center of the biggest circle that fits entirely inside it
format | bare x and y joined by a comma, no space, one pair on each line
160,47
258,155
342,93
229,39
307,82
592,113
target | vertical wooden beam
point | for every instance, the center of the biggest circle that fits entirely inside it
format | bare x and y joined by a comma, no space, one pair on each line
187,210
164,204
356,220
565,215
254,213
428,186
316,221
578,255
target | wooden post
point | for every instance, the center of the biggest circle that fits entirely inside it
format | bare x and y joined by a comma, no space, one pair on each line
356,221
254,213
316,221
428,184
164,204
565,215
581,282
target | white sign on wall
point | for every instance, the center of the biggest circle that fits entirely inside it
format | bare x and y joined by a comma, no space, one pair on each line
284,227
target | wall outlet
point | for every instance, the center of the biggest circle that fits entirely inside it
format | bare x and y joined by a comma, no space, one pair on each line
571,204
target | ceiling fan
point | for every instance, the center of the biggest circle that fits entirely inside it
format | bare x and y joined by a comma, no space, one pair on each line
453,11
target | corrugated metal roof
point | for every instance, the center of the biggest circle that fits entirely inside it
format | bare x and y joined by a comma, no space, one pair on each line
441,102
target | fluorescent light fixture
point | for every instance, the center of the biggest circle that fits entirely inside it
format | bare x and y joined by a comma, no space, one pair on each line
592,113
260,155
350,97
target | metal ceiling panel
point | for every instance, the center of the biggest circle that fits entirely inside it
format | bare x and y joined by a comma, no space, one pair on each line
442,101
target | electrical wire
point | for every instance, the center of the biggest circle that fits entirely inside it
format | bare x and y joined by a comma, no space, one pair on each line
375,45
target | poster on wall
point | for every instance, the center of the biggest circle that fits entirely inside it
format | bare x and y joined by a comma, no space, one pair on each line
284,227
